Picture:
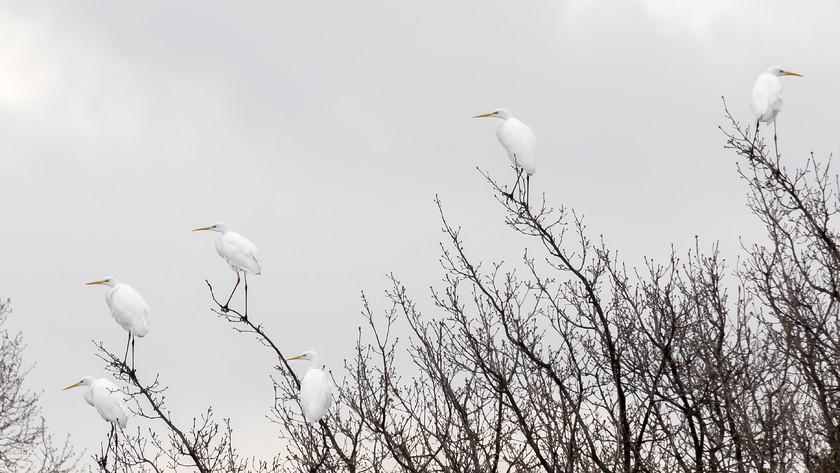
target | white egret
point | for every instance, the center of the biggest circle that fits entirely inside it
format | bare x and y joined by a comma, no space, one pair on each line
128,308
106,397
519,142
766,100
315,389
238,252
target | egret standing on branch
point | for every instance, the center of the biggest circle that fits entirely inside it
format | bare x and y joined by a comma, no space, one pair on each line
238,252
106,397
766,100
315,389
129,310
519,142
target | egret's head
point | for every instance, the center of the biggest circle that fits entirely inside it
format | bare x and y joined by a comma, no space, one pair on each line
86,381
502,113
220,227
778,71
307,355
109,281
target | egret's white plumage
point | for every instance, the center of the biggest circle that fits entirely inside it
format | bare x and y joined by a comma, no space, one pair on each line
106,397
315,389
236,250
766,100
127,307
517,139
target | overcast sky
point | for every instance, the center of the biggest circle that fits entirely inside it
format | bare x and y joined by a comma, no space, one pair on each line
323,130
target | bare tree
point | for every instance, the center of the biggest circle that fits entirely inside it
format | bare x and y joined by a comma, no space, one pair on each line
25,445
796,279
568,360
205,446
576,365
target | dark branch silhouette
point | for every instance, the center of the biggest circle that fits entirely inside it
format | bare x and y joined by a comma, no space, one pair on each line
566,360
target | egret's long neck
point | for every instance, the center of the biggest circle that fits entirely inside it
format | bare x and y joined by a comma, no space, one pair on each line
500,123
316,363
87,394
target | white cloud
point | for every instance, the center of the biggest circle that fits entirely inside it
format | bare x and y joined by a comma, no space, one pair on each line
29,74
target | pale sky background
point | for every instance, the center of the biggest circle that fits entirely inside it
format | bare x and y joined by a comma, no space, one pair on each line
322,132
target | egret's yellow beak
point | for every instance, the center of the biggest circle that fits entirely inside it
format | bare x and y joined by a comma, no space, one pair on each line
484,115
88,284
792,74
203,228
294,358
72,386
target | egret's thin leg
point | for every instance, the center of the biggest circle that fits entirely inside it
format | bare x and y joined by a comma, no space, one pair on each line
132,352
245,275
752,147
116,443
518,175
127,343
108,448
775,138
232,292
528,190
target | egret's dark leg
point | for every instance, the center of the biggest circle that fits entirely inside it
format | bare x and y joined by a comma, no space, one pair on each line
231,293
245,275
752,147
518,175
108,448
127,343
133,339
527,188
775,139
116,443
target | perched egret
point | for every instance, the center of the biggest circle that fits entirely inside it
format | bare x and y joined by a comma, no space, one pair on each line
315,395
519,142
766,100
106,397
238,252
128,308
